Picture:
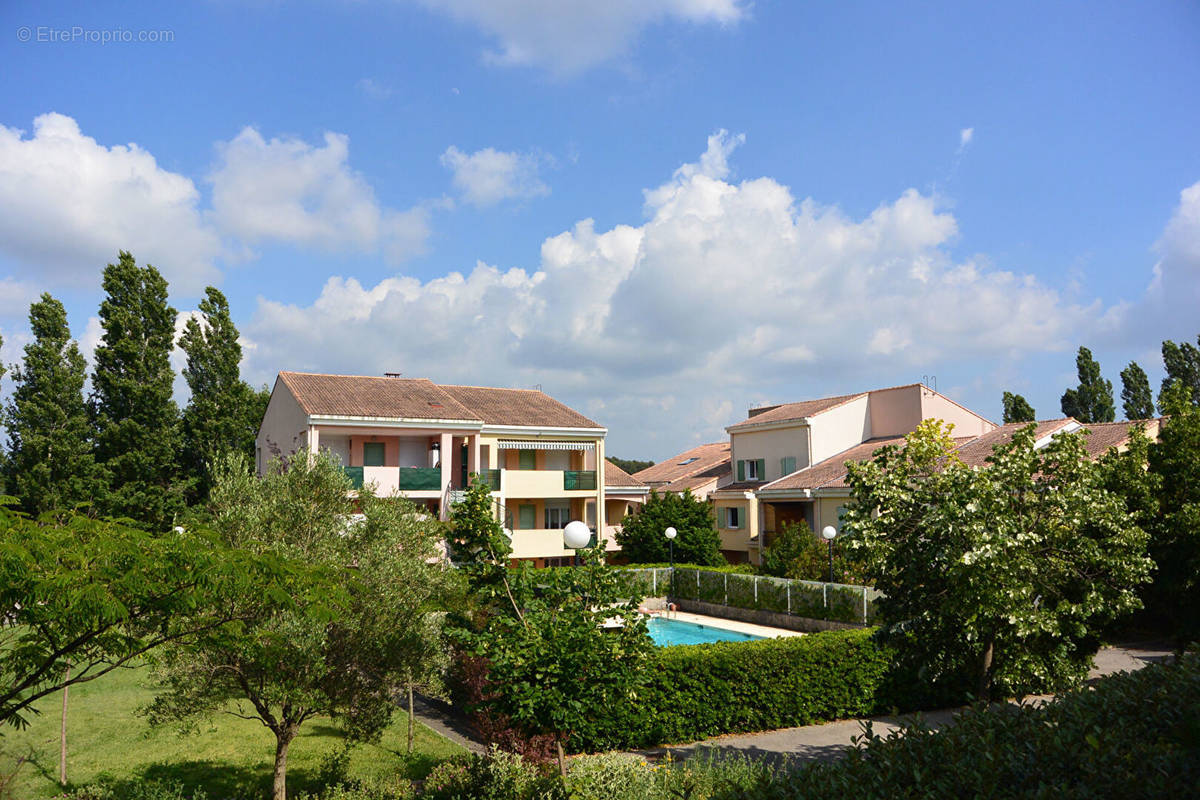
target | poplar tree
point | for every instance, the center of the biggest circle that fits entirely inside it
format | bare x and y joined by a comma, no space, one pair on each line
1092,400
136,420
1017,409
1183,365
1136,399
50,465
224,412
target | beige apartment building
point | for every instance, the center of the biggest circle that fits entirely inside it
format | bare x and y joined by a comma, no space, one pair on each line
425,441
787,463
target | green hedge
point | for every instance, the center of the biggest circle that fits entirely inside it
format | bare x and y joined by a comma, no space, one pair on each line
706,690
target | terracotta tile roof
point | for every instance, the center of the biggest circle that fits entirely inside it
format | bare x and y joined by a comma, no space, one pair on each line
420,398
790,411
617,477
369,396
718,473
831,473
976,451
518,407
699,459
1104,436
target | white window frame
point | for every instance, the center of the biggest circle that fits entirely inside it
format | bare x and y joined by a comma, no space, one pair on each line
560,510
733,518
752,470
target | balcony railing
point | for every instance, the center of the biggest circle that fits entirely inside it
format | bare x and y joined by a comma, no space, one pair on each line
579,480
418,479
491,477
355,474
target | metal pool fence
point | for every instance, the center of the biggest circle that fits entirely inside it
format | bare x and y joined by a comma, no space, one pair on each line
836,602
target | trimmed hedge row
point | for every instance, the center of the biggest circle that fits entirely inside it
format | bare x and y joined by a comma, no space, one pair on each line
701,691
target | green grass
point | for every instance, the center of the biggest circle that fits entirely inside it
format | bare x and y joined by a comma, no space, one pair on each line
227,756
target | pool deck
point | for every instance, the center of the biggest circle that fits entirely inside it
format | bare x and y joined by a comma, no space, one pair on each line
726,624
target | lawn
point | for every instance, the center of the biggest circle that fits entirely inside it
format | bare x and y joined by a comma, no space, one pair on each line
228,757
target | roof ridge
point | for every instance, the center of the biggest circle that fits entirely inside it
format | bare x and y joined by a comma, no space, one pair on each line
491,388
345,375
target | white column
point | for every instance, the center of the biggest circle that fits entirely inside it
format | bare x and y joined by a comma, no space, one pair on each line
472,454
446,457
314,440
600,521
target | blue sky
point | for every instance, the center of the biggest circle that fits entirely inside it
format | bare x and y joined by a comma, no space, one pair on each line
660,211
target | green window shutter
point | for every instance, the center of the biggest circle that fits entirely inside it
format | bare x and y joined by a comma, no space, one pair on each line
373,454
741,470
528,460
762,469
526,516
787,465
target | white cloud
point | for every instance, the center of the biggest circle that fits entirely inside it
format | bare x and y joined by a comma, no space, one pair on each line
374,89
68,205
16,297
964,138
1176,283
568,36
728,292
489,176
287,190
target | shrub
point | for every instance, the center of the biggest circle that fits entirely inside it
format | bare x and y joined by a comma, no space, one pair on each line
730,687
496,776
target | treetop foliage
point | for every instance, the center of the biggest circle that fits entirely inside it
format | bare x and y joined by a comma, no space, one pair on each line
641,535
1005,573
1017,409
1136,400
1092,400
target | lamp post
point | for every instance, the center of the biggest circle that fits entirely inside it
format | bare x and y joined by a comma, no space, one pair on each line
670,534
576,536
829,532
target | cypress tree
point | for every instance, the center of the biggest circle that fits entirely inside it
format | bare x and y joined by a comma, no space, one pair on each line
1017,409
224,412
50,464
1136,399
1092,400
136,420
1183,364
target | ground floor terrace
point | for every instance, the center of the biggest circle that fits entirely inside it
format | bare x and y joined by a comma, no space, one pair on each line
747,522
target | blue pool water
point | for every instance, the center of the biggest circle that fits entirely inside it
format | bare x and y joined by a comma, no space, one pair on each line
670,632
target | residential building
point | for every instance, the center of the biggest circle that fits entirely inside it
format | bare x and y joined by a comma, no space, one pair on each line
787,462
425,441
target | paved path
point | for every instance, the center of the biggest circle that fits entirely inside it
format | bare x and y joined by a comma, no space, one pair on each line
830,740
441,719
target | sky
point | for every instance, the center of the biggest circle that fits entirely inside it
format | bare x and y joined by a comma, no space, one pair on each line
661,212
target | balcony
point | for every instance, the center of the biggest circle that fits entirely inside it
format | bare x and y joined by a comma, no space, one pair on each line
582,480
389,480
547,482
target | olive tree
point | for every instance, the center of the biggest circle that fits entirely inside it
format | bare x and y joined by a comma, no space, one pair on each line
345,655
1004,574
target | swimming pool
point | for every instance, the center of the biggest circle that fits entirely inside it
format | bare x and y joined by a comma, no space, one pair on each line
671,632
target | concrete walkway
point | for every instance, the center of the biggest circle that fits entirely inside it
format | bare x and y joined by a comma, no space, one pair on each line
441,718
830,740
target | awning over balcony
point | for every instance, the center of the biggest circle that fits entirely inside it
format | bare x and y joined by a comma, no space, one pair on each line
519,444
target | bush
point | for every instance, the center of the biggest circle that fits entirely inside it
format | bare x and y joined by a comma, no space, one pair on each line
496,776
730,687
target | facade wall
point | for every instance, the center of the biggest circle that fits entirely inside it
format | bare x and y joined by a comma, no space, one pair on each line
736,538
840,428
966,423
284,428
895,412
771,446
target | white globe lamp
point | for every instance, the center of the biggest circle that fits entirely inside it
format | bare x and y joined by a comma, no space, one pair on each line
576,535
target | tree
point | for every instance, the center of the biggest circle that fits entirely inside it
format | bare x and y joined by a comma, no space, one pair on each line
94,595
1017,409
343,656
1006,573
631,465
1182,362
135,418
796,552
641,535
1137,402
223,413
50,465
1092,400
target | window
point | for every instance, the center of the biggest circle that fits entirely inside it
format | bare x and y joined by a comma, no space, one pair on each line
526,459
841,512
787,465
373,454
687,461
526,517
733,518
558,514
751,470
